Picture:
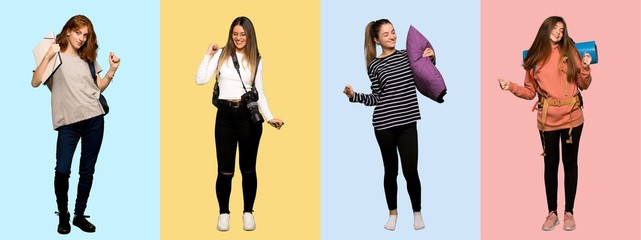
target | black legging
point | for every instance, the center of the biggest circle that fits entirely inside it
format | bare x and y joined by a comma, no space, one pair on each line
570,152
235,129
404,139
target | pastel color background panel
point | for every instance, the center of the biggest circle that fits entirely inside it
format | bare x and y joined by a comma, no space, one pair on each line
124,201
288,202
513,193
352,198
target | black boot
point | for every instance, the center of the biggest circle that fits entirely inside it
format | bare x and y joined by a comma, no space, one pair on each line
63,223
82,223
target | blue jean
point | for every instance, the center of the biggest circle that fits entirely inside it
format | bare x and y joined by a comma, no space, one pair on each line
91,132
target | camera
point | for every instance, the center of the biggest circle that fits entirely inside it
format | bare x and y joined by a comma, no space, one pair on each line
250,99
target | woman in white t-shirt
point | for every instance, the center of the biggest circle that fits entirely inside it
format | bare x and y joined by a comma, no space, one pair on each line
77,113
235,122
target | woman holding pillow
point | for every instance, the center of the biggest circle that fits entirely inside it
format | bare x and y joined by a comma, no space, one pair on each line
395,115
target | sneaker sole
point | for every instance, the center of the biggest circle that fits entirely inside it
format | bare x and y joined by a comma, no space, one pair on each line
249,229
222,229
85,230
552,228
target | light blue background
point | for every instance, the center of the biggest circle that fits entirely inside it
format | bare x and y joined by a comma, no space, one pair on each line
124,201
352,198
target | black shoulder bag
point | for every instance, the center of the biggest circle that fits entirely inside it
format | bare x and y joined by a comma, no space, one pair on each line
102,99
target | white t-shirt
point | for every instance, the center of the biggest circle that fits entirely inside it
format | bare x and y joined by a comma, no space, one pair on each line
74,94
229,82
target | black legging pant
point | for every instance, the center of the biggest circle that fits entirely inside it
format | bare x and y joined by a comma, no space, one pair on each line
235,129
570,152
404,139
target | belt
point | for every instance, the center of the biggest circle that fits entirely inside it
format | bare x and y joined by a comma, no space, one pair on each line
230,104
545,103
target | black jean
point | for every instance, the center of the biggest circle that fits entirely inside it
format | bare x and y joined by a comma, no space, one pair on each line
90,131
569,153
234,128
403,139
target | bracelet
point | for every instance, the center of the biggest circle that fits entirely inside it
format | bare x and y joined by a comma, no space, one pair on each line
110,77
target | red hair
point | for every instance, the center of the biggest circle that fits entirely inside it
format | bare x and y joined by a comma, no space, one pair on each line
89,50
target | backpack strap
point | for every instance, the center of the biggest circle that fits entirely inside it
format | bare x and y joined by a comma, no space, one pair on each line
92,69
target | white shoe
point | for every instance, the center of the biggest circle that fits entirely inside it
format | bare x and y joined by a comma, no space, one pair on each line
248,222
223,222
418,221
391,222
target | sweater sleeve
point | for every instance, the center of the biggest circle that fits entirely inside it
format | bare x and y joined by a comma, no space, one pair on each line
527,91
584,77
262,100
207,68
372,98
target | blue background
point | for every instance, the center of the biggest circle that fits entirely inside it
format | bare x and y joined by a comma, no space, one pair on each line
352,198
124,201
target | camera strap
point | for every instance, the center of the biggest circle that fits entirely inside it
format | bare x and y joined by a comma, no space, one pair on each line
237,66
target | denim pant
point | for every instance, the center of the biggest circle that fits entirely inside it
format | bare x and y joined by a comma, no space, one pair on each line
234,128
90,131
569,153
403,139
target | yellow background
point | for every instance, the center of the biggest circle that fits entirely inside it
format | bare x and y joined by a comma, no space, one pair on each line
288,199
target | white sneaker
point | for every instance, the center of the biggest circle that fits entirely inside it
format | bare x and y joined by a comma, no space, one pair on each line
418,221
248,222
391,222
223,222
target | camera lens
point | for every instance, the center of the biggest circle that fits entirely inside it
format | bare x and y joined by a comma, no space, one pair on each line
255,115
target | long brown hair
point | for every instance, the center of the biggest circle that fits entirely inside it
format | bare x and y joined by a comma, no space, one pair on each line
89,50
371,32
539,52
251,47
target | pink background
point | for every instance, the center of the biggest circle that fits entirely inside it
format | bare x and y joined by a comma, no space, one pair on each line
513,204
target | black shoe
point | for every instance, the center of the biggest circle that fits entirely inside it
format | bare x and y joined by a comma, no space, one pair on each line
63,223
82,223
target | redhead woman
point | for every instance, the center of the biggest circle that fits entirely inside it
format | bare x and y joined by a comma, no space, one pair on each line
77,112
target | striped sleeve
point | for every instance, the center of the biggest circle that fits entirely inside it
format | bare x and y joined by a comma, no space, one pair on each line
393,92
372,98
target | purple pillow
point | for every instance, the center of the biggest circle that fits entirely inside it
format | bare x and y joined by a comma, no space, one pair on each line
428,79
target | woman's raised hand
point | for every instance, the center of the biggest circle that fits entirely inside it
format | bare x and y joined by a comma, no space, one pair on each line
503,84
586,60
212,49
114,61
53,49
348,91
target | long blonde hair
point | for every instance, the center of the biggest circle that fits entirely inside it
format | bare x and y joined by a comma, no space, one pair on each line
371,33
251,48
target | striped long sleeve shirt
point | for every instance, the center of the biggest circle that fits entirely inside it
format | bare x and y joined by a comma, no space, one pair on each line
393,92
